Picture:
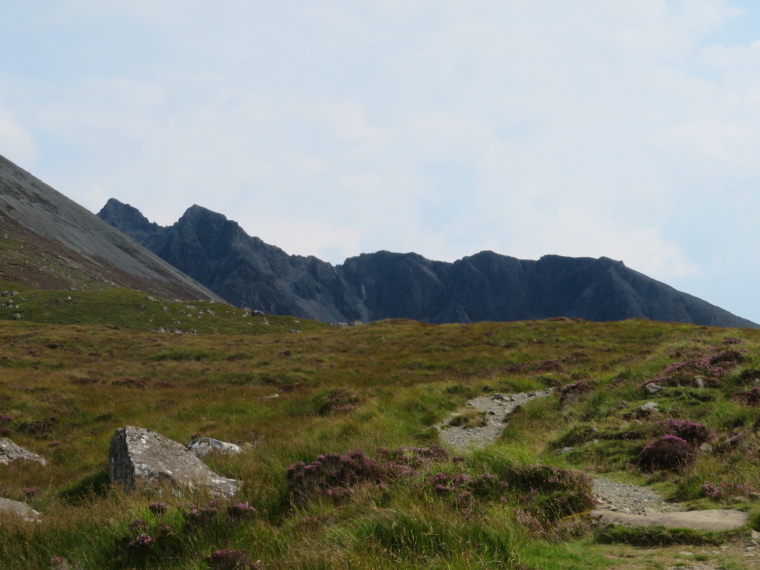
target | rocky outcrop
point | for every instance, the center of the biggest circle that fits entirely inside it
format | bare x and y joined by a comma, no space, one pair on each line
140,458
9,452
205,446
22,510
483,287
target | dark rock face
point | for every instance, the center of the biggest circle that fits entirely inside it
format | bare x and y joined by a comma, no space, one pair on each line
140,458
482,287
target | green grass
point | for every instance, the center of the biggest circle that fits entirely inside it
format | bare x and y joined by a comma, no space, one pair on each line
98,361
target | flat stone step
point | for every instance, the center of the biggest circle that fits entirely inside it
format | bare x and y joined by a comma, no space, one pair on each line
711,520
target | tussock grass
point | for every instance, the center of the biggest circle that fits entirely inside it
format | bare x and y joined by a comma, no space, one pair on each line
73,372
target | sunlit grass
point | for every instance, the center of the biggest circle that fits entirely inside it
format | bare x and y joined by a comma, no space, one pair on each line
289,397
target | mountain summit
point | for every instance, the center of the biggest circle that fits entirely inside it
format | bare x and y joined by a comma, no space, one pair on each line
483,287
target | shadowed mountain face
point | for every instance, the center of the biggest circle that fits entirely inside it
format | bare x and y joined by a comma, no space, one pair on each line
483,287
50,242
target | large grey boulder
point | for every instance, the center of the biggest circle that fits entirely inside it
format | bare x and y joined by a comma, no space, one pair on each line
22,510
140,458
9,452
205,446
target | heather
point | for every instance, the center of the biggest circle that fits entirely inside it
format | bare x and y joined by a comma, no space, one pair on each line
342,465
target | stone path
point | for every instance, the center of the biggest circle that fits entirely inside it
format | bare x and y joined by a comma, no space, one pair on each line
618,503
633,505
496,407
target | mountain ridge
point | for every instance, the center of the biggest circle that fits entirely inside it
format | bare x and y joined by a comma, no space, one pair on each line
50,242
246,271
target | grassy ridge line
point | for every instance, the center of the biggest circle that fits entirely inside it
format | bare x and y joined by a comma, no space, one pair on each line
382,384
118,307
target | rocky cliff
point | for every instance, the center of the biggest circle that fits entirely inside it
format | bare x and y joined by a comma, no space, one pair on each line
486,286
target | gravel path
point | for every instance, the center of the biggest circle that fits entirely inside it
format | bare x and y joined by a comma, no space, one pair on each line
632,503
612,496
617,503
629,499
496,407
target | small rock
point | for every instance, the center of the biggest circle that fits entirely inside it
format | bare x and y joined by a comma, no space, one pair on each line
650,407
700,383
205,446
706,448
27,513
16,316
59,563
686,553
565,450
652,388
498,396
754,535
9,452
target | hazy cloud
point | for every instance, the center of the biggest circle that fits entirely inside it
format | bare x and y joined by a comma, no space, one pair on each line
594,127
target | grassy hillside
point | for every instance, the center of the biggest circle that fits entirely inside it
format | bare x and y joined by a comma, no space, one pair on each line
133,310
72,370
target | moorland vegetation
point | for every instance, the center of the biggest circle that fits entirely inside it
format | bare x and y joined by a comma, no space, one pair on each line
342,464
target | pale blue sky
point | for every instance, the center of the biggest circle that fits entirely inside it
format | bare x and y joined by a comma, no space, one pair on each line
625,128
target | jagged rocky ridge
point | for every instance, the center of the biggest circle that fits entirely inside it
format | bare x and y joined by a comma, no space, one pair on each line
483,287
48,241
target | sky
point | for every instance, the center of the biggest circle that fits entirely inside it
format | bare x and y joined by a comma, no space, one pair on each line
621,128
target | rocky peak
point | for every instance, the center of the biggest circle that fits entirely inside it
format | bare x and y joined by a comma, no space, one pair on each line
128,220
485,286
